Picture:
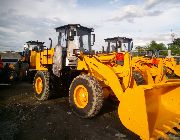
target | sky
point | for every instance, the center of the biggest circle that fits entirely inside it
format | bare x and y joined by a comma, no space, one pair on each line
142,20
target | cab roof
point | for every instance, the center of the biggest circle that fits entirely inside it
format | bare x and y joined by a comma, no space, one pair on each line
68,26
114,39
35,42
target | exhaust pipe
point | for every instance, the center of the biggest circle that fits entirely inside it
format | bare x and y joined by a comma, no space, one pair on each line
50,43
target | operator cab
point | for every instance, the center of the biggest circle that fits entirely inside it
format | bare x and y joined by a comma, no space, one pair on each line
35,45
118,44
72,39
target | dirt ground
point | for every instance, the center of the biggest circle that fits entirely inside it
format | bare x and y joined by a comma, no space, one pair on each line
22,117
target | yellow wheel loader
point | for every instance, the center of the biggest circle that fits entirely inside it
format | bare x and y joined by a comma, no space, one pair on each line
31,51
152,70
150,110
170,63
144,70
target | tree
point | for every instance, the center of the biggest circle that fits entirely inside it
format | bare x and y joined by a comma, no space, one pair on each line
175,47
154,46
139,49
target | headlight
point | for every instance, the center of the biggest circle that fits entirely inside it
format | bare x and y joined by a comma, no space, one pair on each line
76,51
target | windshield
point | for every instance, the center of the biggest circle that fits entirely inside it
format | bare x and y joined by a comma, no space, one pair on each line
78,37
84,40
117,46
62,38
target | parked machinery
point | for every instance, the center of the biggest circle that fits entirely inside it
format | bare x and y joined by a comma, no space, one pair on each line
9,68
150,110
118,44
31,48
144,70
170,63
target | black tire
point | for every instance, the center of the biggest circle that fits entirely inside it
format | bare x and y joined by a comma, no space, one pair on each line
138,77
95,96
45,93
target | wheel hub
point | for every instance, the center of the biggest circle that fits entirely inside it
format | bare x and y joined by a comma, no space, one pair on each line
81,96
39,85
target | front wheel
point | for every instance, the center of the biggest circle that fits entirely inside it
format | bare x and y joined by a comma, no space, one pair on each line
85,96
41,85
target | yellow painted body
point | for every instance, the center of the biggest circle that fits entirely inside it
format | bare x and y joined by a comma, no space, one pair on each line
39,85
140,64
150,110
38,60
80,96
152,73
170,63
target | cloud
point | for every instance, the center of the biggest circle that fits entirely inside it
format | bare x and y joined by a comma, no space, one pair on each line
148,8
35,20
158,37
22,23
16,29
31,20
24,20
152,3
130,12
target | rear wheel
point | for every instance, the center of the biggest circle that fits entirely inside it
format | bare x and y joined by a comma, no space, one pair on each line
41,85
85,96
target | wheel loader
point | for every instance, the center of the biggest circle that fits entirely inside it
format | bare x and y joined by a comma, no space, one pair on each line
9,67
28,60
144,69
150,110
171,65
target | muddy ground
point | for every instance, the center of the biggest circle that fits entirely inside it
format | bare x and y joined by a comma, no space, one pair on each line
22,117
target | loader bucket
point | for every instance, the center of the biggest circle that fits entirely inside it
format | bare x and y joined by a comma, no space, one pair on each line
151,111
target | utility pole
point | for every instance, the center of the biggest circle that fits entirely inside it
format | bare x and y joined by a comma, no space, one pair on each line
172,36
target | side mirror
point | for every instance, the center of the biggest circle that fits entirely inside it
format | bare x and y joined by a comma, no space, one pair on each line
93,37
103,49
130,46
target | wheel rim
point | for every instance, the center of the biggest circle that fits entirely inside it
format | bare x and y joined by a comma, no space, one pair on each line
39,85
81,96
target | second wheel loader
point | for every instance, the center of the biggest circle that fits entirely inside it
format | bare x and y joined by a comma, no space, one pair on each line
144,70
150,110
170,63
